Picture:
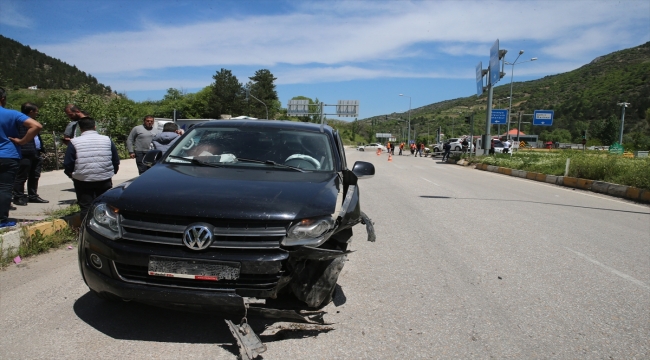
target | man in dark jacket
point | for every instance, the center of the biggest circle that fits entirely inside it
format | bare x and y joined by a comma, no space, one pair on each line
167,138
447,148
29,167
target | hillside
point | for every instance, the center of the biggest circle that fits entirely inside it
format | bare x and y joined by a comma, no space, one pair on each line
22,67
585,98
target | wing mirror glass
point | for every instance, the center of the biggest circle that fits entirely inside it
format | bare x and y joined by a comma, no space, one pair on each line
363,170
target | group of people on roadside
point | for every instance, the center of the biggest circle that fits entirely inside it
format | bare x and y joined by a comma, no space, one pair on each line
391,148
417,149
90,159
19,157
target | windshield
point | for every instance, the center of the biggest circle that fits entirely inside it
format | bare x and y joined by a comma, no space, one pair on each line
253,147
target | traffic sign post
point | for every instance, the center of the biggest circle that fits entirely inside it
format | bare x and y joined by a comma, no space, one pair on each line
616,148
499,116
479,78
495,73
543,117
343,108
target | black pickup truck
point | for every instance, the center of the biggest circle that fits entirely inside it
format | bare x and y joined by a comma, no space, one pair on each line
233,210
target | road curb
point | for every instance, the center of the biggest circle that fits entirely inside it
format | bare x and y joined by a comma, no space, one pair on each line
621,191
10,241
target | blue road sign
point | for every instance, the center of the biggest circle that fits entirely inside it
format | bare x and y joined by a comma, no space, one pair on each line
499,116
479,78
543,117
495,71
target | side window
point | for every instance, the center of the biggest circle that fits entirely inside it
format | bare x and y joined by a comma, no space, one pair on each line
341,150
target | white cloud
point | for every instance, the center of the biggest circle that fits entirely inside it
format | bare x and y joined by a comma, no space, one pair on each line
10,16
346,40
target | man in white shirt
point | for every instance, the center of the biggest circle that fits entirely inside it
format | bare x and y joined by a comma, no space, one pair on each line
506,146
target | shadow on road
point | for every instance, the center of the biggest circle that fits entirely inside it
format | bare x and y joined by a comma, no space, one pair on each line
134,321
141,322
535,202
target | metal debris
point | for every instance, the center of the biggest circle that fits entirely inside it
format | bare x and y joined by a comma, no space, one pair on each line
250,345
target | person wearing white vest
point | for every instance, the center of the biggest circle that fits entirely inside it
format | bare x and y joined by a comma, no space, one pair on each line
91,160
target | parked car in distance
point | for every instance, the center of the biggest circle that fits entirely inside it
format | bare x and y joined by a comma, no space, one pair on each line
498,146
372,147
457,144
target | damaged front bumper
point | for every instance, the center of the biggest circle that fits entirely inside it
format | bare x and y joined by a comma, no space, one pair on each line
310,273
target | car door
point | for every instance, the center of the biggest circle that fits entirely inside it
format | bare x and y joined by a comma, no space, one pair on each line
350,209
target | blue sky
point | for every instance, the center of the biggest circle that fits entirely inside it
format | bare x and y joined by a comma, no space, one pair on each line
330,50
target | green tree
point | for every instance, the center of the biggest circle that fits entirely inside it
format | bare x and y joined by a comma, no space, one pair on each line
263,88
606,130
227,95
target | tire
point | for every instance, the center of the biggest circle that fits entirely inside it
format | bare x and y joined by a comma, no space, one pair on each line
457,148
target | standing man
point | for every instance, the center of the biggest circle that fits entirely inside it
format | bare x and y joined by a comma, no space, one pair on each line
74,114
167,138
506,146
10,122
139,141
447,148
91,160
421,149
29,168
401,147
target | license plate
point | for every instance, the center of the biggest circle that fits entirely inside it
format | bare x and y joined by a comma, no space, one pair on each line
193,269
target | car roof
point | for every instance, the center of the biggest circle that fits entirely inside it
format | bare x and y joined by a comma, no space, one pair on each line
277,124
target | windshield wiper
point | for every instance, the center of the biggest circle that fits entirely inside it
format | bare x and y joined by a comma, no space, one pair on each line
272,163
179,157
195,161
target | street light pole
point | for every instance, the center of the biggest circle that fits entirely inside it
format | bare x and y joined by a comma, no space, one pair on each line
620,136
409,136
512,74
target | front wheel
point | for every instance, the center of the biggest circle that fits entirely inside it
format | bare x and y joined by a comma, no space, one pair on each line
457,148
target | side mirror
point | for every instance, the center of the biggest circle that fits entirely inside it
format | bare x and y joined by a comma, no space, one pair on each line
151,157
363,170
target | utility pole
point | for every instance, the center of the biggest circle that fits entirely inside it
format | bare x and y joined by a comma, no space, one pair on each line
623,105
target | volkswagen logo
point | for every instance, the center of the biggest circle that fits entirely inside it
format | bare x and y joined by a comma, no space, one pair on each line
197,236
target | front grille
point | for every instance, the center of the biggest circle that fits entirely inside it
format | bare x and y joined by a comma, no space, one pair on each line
140,274
229,234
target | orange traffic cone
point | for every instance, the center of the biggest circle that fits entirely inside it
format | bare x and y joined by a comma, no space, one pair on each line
390,157
378,151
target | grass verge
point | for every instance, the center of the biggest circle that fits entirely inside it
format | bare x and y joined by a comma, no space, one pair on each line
596,166
39,243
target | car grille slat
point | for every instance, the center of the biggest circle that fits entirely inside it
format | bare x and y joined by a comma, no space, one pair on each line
228,234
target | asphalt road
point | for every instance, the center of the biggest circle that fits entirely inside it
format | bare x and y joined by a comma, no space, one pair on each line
467,264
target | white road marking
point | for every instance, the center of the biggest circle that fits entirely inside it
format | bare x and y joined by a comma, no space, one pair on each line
612,270
429,181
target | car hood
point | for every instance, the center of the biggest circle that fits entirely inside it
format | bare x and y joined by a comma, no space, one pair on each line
227,193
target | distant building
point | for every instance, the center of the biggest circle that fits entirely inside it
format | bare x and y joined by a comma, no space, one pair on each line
35,87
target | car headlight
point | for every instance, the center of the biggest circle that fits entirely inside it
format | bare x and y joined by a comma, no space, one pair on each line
312,232
104,219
